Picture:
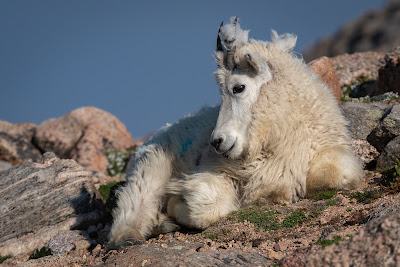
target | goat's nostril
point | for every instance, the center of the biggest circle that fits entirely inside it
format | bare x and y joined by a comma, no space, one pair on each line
216,142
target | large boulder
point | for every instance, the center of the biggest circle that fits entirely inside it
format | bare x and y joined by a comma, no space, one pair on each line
16,143
350,68
389,75
363,118
390,154
84,135
38,200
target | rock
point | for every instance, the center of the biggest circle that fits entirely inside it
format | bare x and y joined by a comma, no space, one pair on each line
363,117
298,258
84,134
376,244
4,165
384,208
39,200
389,75
349,68
323,67
390,154
387,129
15,143
65,241
365,151
185,254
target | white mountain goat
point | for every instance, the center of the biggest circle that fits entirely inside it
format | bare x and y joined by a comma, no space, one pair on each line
278,135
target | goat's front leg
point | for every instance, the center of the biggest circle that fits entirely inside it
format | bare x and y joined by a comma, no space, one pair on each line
202,199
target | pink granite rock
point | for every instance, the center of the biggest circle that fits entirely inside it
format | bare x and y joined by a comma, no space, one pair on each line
84,134
323,67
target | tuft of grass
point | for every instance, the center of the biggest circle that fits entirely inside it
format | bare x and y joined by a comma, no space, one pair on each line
348,209
297,217
117,160
330,202
367,196
325,194
261,219
39,253
328,242
3,258
209,235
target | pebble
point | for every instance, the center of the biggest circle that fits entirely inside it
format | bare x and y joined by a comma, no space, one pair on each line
82,244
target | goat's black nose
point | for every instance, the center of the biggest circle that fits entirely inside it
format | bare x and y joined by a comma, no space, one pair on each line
216,142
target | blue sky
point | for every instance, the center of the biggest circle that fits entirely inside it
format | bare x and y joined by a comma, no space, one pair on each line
146,62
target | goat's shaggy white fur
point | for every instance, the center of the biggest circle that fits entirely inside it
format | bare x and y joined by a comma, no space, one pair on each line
280,139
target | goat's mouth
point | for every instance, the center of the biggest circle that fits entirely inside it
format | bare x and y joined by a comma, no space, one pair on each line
227,153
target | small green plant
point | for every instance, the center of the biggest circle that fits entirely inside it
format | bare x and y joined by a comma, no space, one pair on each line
297,217
261,219
328,242
348,209
3,258
117,160
367,196
394,185
105,190
39,253
209,235
108,193
316,212
330,202
325,194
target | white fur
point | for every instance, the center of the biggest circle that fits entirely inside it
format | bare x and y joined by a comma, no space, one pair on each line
282,137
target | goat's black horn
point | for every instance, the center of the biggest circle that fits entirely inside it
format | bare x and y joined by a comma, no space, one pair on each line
219,44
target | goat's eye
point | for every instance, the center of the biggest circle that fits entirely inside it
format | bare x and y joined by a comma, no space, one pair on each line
237,89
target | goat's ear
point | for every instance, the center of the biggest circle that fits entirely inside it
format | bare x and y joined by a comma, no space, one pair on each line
285,42
257,64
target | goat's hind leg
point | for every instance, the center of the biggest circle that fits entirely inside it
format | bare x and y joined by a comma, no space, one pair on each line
138,211
334,167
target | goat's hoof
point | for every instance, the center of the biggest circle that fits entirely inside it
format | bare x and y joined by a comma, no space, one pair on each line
168,227
129,242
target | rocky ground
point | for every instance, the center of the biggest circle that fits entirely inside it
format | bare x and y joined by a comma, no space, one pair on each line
55,207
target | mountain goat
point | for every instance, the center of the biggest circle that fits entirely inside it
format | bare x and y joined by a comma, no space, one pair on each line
278,135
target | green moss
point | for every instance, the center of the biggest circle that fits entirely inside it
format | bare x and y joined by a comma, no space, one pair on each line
39,253
325,194
209,235
367,196
3,258
330,202
117,160
328,242
261,219
297,217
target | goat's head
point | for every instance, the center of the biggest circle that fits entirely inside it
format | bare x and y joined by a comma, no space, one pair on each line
242,72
